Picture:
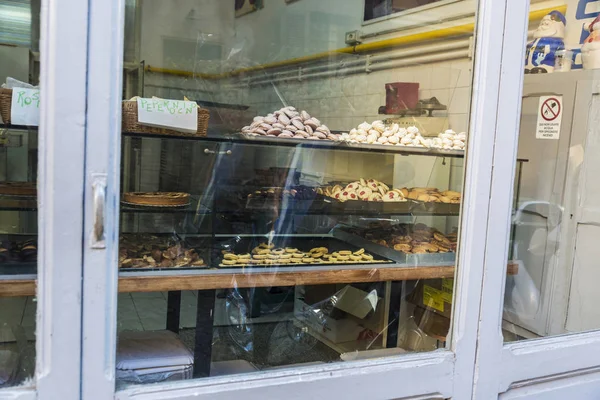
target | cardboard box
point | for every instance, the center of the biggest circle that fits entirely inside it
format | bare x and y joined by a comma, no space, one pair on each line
433,301
348,314
434,295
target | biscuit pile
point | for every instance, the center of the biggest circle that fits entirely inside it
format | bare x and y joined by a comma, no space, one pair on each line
449,140
365,190
411,239
288,123
433,195
147,251
268,254
379,133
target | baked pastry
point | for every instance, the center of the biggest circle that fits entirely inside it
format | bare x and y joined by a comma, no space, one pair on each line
288,123
365,190
433,195
148,251
268,254
409,238
157,199
392,135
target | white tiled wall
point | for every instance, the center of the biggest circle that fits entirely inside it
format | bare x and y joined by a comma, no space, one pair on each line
344,102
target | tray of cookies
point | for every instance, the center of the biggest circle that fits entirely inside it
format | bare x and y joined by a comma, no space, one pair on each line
412,244
158,252
289,251
433,201
367,195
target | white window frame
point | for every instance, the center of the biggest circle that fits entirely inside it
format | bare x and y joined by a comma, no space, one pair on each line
439,374
60,214
545,368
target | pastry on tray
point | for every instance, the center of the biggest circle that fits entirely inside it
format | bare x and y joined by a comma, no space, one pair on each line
410,239
433,195
157,199
365,190
18,188
148,251
267,254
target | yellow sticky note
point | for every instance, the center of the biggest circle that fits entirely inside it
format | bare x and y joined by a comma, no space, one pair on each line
433,298
447,290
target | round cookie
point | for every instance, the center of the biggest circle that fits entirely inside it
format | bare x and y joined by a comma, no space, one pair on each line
364,193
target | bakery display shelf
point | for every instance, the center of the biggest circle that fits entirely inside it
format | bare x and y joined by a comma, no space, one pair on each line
196,206
134,246
241,139
432,208
398,256
17,268
18,203
245,245
18,127
409,207
345,146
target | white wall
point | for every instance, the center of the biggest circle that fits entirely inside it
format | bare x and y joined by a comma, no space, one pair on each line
280,31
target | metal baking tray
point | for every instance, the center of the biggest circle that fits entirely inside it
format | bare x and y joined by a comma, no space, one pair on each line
241,245
318,204
18,268
371,207
429,208
398,256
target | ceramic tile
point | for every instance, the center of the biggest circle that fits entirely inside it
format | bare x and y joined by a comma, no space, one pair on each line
460,99
127,314
147,295
188,318
443,96
459,122
153,323
372,104
28,320
423,75
440,77
134,324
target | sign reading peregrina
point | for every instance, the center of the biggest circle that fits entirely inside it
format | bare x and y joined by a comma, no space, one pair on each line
178,115
25,107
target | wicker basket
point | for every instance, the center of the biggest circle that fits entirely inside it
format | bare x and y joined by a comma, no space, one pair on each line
5,102
129,122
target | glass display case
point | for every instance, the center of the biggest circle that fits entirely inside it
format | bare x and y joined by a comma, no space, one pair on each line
304,250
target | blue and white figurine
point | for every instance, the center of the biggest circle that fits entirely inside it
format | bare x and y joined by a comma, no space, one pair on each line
549,38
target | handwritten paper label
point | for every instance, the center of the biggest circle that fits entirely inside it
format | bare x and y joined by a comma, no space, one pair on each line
25,107
178,115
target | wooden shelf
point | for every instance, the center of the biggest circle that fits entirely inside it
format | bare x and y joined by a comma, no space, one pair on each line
164,281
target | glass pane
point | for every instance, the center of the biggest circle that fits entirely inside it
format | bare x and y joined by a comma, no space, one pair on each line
307,210
19,113
553,291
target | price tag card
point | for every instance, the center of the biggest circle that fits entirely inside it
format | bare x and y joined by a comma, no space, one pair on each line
178,115
25,107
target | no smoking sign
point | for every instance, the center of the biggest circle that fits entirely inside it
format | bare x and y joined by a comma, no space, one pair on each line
549,117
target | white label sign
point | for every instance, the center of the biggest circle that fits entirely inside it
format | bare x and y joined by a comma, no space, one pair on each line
25,107
549,117
178,115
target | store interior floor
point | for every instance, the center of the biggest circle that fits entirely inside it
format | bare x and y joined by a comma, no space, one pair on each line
269,341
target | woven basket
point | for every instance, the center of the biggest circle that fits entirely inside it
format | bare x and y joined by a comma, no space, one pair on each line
129,122
5,102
